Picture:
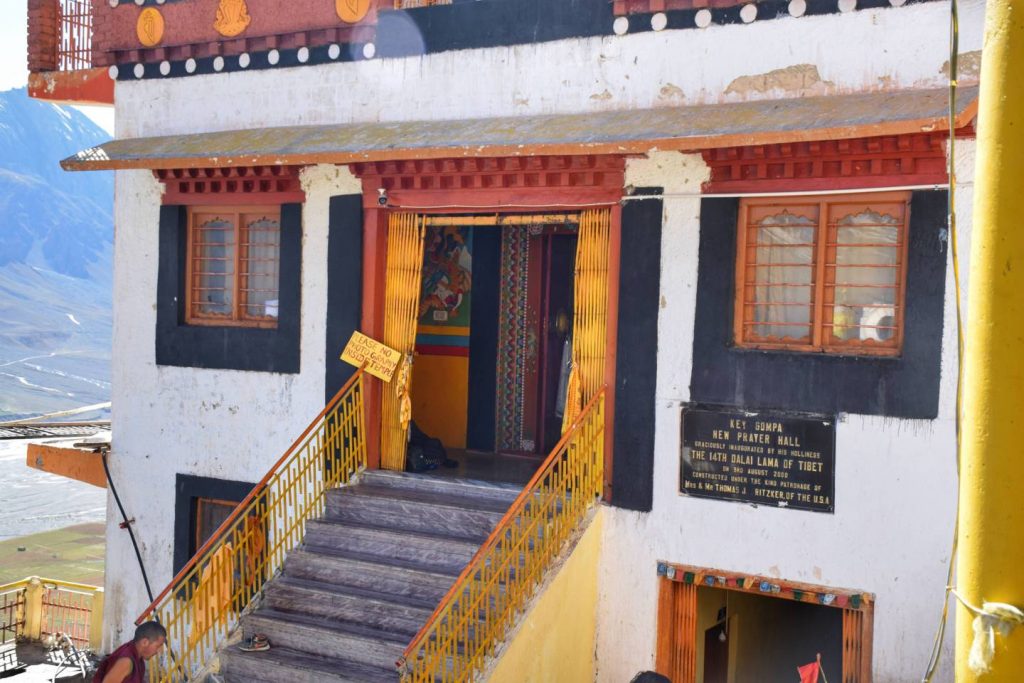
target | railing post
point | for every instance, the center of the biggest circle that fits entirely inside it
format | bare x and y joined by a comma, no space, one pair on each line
34,609
96,621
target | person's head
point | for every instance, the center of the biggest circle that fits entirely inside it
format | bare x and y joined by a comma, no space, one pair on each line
149,638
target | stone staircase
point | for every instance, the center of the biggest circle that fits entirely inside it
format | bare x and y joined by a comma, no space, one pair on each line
367,578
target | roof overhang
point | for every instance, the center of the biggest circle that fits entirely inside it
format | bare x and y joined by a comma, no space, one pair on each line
687,128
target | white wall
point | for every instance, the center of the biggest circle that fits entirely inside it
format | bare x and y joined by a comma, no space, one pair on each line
864,50
894,500
214,423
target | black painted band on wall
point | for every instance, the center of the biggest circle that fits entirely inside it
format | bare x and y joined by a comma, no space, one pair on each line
188,488
636,358
344,286
905,387
227,348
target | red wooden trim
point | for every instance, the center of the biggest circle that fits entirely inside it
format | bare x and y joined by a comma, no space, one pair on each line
85,86
434,350
375,249
234,186
627,7
210,199
865,162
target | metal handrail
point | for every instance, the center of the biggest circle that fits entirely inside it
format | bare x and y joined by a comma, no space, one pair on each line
498,582
204,601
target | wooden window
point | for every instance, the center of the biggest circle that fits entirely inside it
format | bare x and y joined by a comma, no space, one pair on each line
233,266
822,274
210,514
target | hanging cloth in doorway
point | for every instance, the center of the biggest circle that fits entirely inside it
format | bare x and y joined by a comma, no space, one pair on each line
590,313
401,307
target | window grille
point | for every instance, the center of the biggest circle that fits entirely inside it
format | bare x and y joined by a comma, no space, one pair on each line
822,274
234,266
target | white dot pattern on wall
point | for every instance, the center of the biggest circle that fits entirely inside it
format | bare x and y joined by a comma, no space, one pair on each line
244,60
797,8
659,21
703,18
140,70
273,57
748,13
620,26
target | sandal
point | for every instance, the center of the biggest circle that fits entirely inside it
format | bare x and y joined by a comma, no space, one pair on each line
255,643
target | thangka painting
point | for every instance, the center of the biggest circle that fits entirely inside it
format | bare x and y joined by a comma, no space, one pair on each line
447,277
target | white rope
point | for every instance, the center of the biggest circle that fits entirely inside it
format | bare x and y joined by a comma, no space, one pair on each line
989,619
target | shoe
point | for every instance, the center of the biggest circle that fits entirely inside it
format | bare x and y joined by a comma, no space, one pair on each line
255,643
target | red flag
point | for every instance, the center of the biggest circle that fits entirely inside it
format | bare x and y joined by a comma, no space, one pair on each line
809,672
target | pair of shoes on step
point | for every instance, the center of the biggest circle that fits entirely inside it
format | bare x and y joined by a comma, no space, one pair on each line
255,643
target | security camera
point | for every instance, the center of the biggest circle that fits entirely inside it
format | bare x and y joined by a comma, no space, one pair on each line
382,197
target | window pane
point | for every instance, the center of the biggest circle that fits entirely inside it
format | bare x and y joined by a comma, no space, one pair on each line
261,252
213,266
210,514
782,275
865,275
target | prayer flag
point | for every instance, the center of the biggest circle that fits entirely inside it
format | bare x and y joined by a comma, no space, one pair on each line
809,672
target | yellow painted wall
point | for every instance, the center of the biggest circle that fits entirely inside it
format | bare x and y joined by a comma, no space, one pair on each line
440,396
555,641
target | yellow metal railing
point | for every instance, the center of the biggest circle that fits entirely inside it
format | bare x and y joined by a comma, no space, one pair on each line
501,578
203,603
36,607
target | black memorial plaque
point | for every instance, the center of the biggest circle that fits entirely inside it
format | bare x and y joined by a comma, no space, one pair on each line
763,458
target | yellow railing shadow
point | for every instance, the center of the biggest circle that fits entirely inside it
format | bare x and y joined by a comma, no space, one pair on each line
497,584
203,603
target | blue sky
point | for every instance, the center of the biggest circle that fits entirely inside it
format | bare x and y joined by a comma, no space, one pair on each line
14,73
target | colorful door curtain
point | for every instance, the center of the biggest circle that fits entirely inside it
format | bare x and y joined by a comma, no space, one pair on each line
401,306
590,315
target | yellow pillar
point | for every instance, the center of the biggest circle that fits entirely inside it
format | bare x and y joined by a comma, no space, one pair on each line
34,609
991,536
96,621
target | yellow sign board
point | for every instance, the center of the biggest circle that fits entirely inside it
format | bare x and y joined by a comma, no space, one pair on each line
380,360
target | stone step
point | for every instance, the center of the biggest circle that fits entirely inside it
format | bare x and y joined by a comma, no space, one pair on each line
346,604
340,640
412,549
414,510
283,665
501,493
420,511
358,571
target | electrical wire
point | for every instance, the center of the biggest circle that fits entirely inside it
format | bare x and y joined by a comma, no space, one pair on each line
127,525
954,49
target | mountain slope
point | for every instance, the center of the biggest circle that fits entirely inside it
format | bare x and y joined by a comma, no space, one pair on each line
56,242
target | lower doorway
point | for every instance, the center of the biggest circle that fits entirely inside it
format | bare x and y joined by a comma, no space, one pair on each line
717,627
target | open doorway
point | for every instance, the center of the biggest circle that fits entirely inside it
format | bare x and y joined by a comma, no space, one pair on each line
751,637
720,627
493,338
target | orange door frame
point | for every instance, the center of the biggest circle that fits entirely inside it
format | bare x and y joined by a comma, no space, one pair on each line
474,186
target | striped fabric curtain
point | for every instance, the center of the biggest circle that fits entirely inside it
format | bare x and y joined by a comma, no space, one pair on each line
590,315
401,306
